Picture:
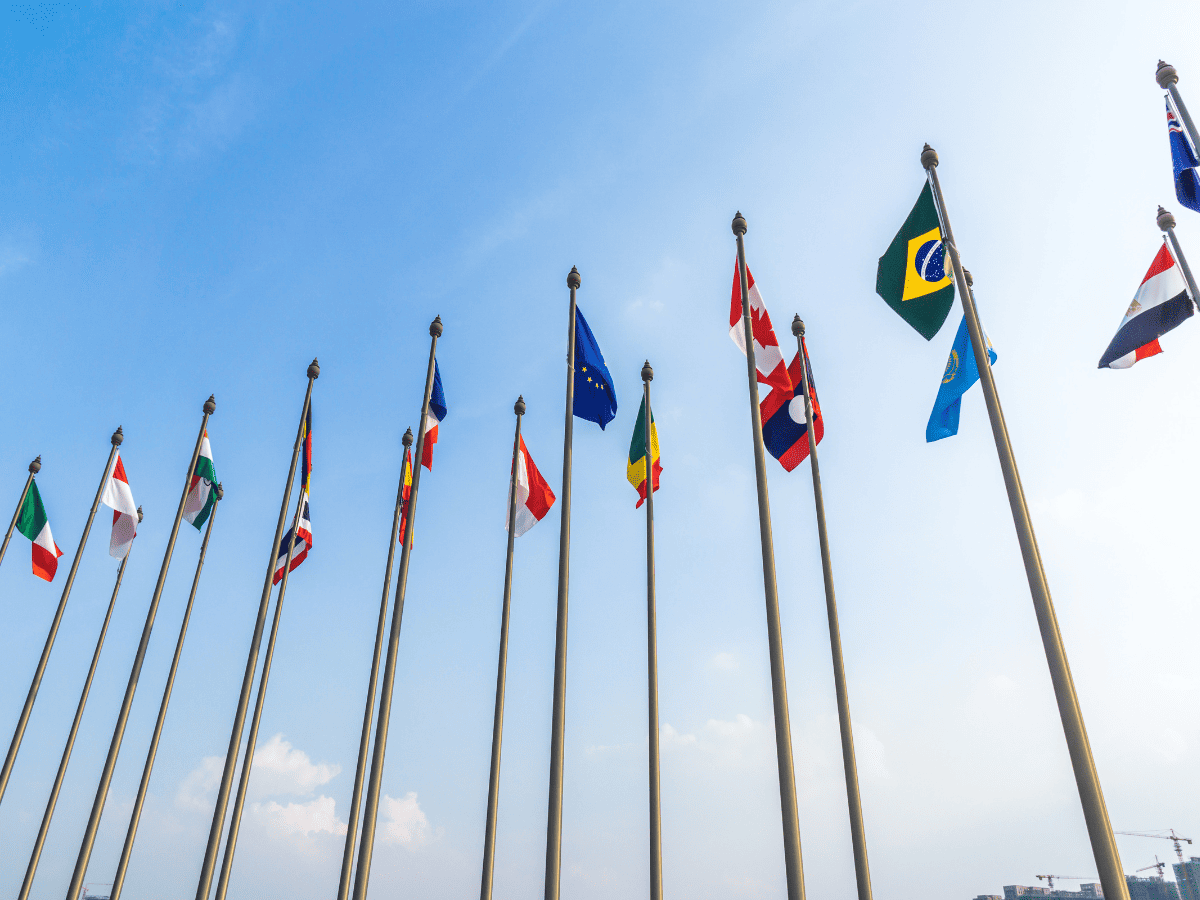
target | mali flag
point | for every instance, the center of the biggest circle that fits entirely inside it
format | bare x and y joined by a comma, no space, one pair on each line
913,276
635,471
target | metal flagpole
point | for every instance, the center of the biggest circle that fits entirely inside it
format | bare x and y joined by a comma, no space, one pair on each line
364,742
793,860
239,802
489,831
858,836
143,787
114,748
1167,78
116,439
1095,814
1166,222
656,890
34,468
31,868
559,722
239,720
366,844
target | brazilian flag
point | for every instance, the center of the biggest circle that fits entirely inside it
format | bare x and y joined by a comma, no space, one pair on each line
914,277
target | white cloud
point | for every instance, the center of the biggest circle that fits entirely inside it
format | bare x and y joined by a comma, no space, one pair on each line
301,818
198,786
669,737
726,662
404,821
279,768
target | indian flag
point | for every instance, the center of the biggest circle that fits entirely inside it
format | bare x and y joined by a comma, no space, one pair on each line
202,495
33,523
635,470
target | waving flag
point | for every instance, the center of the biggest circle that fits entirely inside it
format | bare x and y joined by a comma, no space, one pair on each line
405,493
202,495
437,412
35,525
534,497
785,427
119,498
595,399
635,468
1183,161
913,275
768,358
302,539
961,372
1159,305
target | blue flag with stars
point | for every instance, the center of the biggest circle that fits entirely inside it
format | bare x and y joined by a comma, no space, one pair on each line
1183,162
595,399
961,372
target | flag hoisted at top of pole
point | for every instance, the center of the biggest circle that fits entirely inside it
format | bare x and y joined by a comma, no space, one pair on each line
203,496
533,494
1183,138
119,498
33,522
433,417
768,358
298,541
595,396
960,373
34,468
1160,304
912,275
635,468
1095,813
785,429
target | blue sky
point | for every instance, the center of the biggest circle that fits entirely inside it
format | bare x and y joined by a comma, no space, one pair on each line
200,200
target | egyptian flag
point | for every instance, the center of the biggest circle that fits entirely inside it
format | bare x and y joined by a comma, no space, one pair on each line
437,412
302,538
768,358
119,498
1160,304
785,429
534,497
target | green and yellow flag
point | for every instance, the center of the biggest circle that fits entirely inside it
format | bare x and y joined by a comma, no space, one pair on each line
636,470
913,276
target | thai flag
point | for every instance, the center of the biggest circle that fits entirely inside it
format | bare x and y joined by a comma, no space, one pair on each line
437,412
302,539
1159,305
1183,161
785,428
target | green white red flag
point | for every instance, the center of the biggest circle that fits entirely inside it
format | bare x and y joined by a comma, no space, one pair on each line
33,523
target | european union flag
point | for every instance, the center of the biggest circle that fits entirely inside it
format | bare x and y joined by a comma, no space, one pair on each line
961,372
595,399
1183,162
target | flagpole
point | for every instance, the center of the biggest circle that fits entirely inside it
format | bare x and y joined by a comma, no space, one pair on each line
116,439
144,785
239,720
1167,78
656,889
1104,848
793,860
559,722
364,742
858,836
1166,222
31,868
489,831
114,748
34,468
366,844
239,802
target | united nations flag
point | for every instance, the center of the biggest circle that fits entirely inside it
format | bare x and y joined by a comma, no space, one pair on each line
961,372
914,274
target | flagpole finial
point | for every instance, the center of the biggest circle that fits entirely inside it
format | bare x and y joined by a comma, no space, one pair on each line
967,275
220,491
929,157
647,372
314,370
435,327
139,515
798,326
573,279
118,437
36,465
1165,75
407,440
210,405
519,406
739,224
1166,221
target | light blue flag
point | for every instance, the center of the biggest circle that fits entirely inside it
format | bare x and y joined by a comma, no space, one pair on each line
961,372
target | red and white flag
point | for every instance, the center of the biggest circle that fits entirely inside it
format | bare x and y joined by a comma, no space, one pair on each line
768,358
534,497
118,497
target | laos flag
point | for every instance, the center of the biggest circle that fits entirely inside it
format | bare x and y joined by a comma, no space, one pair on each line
785,429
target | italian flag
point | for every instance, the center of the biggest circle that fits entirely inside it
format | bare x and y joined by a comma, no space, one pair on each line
202,496
32,523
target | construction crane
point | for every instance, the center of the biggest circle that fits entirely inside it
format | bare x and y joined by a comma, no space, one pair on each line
1157,865
1049,879
1189,888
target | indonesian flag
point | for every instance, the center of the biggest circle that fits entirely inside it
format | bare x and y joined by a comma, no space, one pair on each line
534,497
1159,305
34,524
768,358
202,494
437,412
118,497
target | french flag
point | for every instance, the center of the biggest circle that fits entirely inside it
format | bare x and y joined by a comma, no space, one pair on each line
1160,304
437,412
768,358
785,428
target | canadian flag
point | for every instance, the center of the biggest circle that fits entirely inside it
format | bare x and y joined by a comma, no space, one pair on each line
534,497
119,498
768,358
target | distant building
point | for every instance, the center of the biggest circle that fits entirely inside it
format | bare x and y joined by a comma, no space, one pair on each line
1152,888
1085,892
1187,876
